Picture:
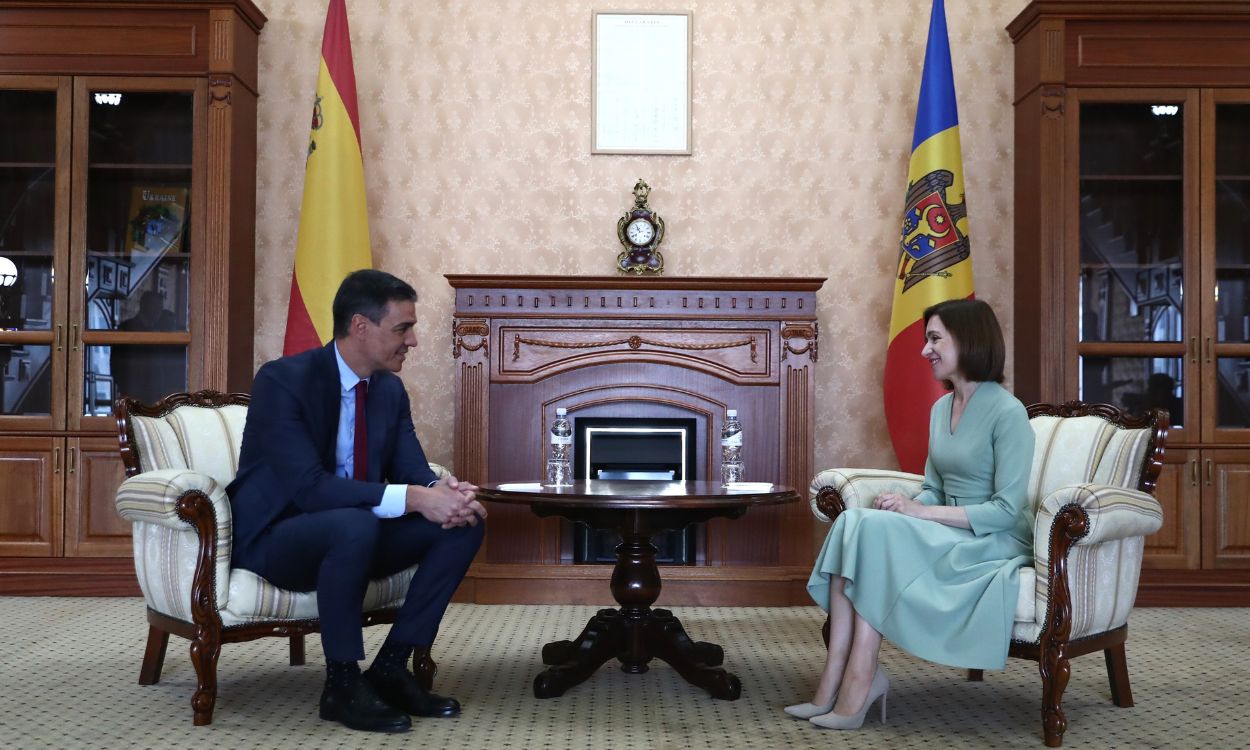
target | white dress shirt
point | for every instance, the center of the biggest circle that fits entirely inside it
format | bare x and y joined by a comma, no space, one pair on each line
393,500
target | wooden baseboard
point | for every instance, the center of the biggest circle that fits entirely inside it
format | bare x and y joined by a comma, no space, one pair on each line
682,586
68,576
1194,588
777,586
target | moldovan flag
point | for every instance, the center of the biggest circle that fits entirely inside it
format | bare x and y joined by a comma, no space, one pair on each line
933,262
333,224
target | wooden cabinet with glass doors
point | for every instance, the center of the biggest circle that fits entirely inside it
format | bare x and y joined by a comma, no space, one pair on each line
1132,253
127,221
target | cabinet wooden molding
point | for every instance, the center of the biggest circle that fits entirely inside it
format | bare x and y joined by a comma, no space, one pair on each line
1178,544
1226,508
92,526
135,259
139,37
30,495
1131,42
1132,252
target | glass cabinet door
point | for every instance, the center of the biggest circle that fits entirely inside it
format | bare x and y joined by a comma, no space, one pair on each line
1136,262
1226,344
34,204
136,179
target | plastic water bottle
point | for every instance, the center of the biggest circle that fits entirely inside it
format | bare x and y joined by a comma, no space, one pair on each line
560,460
731,448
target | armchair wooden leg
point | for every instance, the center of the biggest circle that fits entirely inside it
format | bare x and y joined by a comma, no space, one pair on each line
1117,673
424,667
154,656
1055,671
297,650
976,675
205,649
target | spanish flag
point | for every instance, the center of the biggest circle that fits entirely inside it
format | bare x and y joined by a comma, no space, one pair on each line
333,236
933,261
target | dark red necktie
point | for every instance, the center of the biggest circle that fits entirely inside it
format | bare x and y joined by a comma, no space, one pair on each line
360,459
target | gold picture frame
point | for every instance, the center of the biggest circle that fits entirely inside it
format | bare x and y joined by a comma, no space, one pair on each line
640,82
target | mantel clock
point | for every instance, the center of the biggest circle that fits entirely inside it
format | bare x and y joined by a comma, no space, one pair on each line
640,231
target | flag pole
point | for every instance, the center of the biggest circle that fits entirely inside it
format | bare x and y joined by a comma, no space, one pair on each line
333,238
934,252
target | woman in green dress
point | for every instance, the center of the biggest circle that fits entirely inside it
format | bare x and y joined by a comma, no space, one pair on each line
938,573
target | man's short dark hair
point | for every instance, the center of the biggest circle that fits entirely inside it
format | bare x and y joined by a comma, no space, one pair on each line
975,328
367,292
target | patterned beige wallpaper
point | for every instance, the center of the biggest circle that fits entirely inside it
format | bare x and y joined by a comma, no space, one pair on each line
476,116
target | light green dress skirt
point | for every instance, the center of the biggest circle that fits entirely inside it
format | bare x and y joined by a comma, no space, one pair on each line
945,594
938,592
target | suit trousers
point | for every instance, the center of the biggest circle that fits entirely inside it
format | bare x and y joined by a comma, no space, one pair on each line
337,552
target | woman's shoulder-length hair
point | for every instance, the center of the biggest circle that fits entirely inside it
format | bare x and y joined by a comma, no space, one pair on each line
973,325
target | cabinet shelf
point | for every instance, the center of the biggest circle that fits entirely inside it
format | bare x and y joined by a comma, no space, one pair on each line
139,167
26,165
1131,349
106,337
18,338
1100,266
1131,178
11,253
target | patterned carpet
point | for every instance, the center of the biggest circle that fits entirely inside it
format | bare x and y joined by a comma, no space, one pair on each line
69,669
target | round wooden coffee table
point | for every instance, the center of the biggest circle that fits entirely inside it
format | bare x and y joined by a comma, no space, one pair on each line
635,633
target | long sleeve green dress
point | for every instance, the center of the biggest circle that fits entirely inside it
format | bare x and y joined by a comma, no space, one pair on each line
942,593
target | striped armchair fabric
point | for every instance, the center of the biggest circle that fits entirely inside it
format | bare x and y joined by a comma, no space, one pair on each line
1093,475
180,455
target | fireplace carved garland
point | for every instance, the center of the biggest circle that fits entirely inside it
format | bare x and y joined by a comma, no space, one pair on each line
634,342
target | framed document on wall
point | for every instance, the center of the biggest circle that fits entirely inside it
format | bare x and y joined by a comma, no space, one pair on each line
640,82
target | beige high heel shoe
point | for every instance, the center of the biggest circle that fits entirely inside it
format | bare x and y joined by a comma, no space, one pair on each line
808,710
880,688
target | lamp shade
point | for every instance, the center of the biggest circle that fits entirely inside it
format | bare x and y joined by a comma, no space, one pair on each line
8,272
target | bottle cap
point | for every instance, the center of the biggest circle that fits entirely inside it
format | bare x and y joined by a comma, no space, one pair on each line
731,412
561,411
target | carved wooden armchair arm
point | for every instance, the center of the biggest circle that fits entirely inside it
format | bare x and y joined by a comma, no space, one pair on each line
1087,552
834,490
1112,512
182,532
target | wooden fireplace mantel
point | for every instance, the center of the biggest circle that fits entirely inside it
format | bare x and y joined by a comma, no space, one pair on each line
671,283
659,347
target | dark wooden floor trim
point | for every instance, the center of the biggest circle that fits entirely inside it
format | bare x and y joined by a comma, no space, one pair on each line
774,586
1194,588
780,586
68,576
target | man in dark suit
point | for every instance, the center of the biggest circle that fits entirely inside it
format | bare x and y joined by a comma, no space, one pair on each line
321,505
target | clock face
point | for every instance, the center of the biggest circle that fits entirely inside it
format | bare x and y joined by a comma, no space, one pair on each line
640,232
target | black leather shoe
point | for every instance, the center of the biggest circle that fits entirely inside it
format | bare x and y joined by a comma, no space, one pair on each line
401,691
358,706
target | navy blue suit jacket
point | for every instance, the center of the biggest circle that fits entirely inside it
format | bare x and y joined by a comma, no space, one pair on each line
287,462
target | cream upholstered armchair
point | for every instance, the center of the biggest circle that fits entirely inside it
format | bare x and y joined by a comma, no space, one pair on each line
180,454
1094,469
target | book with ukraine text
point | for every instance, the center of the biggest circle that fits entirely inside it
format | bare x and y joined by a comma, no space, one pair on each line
156,221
